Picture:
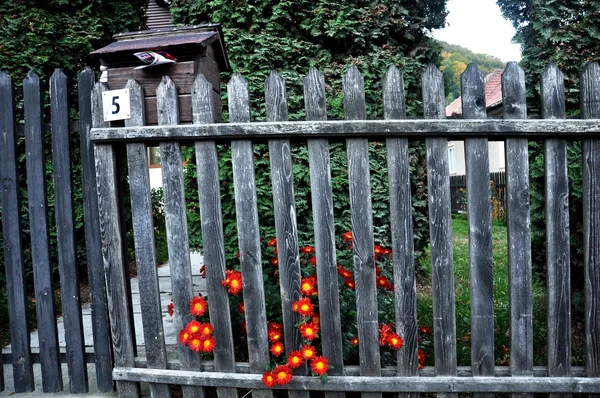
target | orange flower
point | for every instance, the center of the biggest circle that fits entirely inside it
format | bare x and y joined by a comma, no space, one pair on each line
319,366
275,326
303,306
387,250
313,261
195,344
384,332
316,319
308,352
424,329
377,270
295,359
209,344
344,272
203,270
273,242
193,327
347,236
350,283
394,341
421,356
275,262
283,374
268,379
233,281
206,329
390,287
274,335
378,250
243,326
198,306
277,349
241,308
309,330
184,336
382,282
307,249
307,286
171,308
354,341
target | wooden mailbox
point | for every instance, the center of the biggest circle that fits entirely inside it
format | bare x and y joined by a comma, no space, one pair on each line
198,49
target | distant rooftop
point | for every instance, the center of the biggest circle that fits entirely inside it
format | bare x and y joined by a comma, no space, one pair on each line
493,94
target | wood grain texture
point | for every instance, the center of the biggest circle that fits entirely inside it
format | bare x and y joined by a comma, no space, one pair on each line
440,229
286,227
590,109
144,244
518,219
176,223
496,129
246,209
103,358
212,233
65,231
552,87
22,366
405,292
112,253
324,227
480,228
362,230
40,246
440,384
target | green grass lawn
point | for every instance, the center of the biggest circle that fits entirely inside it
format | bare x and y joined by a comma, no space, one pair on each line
501,299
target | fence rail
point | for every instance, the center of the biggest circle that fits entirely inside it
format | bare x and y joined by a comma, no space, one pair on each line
241,133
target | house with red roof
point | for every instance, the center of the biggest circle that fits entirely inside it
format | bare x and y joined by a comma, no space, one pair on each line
493,101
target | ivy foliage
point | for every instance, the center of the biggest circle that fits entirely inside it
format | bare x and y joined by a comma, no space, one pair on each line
566,33
293,36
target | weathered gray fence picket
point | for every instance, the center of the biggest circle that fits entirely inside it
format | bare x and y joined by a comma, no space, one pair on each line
483,377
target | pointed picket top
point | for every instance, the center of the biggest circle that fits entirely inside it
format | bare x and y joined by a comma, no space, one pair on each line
552,91
434,99
590,91
167,102
394,102
202,101
31,78
97,113
314,95
513,92
6,98
58,83
354,95
239,99
473,93
4,78
136,98
276,97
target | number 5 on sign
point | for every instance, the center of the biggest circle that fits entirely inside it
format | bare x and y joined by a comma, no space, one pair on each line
115,104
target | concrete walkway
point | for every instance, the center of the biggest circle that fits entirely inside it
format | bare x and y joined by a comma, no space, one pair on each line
171,333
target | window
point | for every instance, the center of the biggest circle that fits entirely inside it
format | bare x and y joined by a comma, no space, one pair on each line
154,157
451,160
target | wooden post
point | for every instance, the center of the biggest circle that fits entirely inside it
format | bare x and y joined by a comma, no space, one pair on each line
440,230
65,231
362,230
324,227
518,218
103,358
246,210
405,288
40,249
13,246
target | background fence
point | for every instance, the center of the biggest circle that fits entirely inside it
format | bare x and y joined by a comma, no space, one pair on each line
458,194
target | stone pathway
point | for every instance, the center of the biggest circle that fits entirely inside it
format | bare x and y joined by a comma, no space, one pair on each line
171,333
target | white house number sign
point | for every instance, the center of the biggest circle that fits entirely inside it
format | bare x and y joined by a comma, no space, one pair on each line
116,105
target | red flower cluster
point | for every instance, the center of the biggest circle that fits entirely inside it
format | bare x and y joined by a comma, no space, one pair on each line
171,308
233,281
198,336
388,337
203,270
421,357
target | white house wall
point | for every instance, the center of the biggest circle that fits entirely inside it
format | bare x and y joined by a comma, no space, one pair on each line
496,156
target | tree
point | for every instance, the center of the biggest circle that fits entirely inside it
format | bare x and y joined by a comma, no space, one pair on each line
566,33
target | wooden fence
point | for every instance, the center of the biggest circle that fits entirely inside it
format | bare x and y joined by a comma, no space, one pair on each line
370,379
50,355
458,194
